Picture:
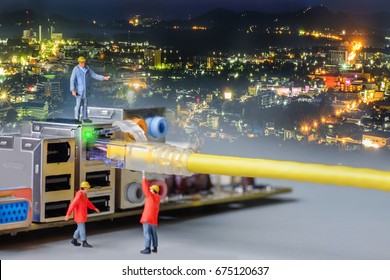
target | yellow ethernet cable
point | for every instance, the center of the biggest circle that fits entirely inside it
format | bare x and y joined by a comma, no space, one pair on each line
166,159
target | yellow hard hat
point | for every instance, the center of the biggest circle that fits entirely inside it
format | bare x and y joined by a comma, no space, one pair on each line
155,188
81,59
85,185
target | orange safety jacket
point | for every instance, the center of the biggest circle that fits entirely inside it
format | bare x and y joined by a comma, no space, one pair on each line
152,205
80,205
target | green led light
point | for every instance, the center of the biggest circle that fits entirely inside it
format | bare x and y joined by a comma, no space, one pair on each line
87,135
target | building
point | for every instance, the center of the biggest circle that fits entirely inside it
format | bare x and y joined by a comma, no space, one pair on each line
152,57
56,36
51,88
371,95
338,56
32,110
29,35
267,99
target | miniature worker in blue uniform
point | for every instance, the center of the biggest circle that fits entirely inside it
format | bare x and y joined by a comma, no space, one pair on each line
149,218
79,81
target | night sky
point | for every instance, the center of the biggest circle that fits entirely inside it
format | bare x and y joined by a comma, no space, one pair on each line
122,9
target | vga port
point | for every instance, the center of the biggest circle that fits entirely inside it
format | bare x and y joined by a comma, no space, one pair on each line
13,211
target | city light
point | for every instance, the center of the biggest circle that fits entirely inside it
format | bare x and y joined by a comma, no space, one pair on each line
369,144
354,48
4,97
199,28
242,82
228,95
137,84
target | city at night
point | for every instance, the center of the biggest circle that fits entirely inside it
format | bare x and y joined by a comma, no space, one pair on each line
249,130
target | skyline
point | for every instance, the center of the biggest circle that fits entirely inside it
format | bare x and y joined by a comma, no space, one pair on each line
122,9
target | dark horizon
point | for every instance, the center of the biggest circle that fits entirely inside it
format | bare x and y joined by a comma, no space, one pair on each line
122,9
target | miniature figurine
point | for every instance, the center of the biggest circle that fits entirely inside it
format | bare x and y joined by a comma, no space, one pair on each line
149,219
79,86
80,205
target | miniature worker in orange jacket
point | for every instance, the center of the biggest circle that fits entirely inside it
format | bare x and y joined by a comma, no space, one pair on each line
149,218
80,205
